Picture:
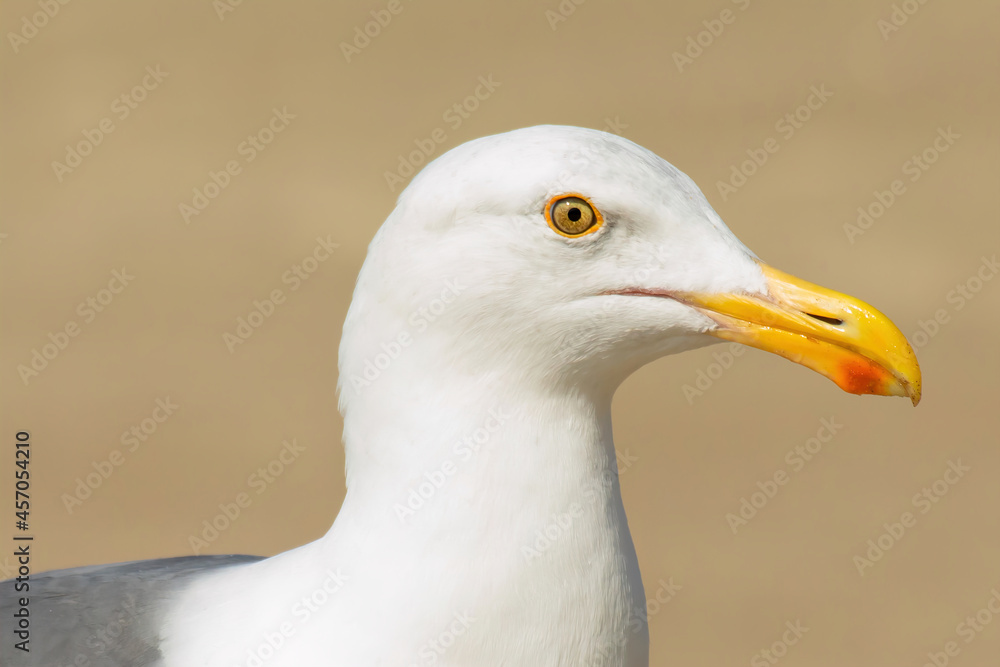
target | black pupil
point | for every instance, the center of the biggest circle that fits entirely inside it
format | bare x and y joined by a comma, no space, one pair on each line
574,214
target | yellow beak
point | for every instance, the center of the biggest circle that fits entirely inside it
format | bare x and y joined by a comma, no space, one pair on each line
834,334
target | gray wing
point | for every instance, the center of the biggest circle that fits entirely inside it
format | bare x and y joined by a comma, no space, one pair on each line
102,615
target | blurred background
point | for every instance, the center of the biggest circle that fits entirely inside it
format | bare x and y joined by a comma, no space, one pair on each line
164,166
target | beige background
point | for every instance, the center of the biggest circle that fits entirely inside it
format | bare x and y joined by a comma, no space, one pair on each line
324,175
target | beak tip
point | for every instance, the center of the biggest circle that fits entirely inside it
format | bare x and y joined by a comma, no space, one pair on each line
914,391
836,335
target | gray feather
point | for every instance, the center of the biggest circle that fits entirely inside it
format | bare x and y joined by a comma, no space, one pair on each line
102,615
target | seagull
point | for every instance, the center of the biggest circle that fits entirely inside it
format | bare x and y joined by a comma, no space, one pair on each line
519,281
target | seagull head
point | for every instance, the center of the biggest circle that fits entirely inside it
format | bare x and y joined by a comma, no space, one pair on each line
574,257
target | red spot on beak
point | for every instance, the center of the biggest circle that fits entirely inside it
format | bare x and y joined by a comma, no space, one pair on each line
862,376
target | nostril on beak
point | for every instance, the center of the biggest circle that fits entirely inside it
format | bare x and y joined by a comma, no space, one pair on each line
829,320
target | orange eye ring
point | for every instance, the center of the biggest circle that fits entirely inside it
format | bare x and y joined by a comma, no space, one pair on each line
572,215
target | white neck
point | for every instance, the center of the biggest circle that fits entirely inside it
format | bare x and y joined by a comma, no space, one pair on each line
481,504
510,513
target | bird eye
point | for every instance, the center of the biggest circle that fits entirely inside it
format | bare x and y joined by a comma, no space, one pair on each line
572,215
